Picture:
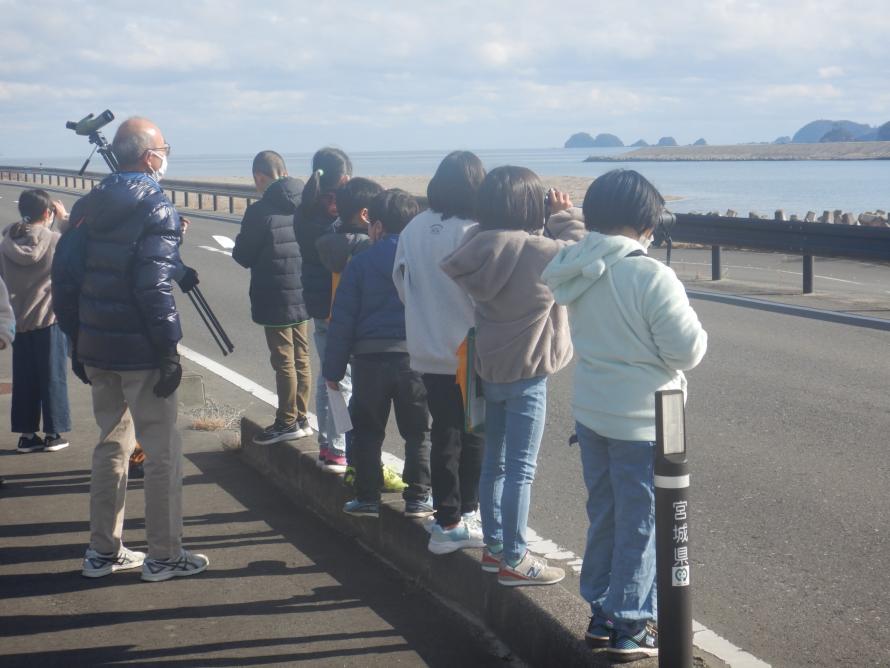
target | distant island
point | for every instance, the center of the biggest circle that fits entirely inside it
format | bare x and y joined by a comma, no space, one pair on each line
584,140
817,140
860,150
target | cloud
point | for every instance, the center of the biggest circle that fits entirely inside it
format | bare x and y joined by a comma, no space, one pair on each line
389,75
831,72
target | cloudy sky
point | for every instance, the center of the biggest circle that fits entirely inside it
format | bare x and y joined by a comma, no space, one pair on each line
232,76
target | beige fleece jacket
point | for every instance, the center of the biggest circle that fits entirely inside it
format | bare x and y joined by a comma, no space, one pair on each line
26,257
520,331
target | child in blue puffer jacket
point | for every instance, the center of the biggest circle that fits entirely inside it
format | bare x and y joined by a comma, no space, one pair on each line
368,327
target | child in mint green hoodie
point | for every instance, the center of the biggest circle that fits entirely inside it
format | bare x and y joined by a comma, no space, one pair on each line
634,333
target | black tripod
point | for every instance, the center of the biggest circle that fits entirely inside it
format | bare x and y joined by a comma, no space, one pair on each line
89,126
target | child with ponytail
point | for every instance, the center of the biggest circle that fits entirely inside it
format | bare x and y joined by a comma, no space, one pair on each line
331,168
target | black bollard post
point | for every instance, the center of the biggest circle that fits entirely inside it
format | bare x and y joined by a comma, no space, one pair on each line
672,532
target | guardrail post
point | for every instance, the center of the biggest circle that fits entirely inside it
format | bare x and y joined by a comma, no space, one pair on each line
808,274
173,196
231,204
185,198
672,532
214,202
716,267
200,201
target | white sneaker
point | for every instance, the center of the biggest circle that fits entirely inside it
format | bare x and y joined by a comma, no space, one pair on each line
303,429
97,565
158,570
443,541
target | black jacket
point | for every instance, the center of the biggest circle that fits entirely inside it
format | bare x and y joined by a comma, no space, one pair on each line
337,246
267,245
126,316
315,276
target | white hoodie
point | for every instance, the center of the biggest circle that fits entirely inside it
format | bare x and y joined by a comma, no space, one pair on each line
633,330
437,312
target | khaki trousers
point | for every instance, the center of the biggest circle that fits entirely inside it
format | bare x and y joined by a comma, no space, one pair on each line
127,410
289,355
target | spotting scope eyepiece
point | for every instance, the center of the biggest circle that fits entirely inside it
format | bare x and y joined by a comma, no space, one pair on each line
90,124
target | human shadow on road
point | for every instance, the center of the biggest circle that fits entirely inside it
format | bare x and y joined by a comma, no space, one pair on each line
186,655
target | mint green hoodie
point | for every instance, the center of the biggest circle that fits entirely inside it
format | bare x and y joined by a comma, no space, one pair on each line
633,330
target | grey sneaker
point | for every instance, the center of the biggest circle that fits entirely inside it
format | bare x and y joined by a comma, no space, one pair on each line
276,433
529,571
97,565
55,442
158,570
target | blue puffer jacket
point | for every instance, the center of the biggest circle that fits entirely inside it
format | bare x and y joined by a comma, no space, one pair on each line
368,316
126,314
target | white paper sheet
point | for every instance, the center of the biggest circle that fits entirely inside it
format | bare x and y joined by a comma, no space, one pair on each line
339,411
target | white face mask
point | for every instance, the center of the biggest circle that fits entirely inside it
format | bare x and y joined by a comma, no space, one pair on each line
158,174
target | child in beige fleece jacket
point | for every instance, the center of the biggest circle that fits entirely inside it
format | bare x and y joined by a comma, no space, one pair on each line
39,349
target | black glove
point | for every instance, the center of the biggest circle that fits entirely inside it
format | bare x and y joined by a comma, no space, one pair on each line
79,371
171,375
189,279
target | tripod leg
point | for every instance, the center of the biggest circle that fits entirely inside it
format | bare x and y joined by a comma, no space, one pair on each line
210,314
208,325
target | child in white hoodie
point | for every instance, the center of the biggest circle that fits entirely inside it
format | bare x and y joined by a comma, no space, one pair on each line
438,314
521,339
634,333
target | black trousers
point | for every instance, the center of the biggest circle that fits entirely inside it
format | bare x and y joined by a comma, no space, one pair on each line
456,456
40,381
379,382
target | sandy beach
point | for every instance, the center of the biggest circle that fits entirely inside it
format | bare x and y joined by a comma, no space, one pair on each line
575,186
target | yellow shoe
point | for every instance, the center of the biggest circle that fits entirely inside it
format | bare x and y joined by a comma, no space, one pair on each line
392,481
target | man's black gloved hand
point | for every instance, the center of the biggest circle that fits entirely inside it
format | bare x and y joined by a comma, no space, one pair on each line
79,371
171,375
189,279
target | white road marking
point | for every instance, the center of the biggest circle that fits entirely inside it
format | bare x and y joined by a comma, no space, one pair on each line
779,271
216,250
702,637
225,242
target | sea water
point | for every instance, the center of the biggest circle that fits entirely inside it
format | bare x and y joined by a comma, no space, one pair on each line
763,187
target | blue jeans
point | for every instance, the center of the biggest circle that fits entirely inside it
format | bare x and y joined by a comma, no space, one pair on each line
514,426
327,438
40,381
618,575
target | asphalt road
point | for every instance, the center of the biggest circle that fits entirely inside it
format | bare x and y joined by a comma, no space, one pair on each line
787,424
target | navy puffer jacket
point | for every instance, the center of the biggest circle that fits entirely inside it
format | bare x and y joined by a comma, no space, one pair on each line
267,245
126,314
368,316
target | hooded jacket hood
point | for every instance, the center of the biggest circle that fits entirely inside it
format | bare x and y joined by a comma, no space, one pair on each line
26,244
576,268
285,195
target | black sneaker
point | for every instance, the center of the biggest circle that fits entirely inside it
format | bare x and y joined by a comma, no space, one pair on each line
32,444
276,433
599,632
55,442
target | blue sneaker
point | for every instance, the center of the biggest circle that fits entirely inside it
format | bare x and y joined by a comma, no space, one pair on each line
362,508
599,632
642,645
419,507
443,541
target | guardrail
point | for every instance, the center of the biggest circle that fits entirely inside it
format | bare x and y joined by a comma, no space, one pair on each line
809,240
238,197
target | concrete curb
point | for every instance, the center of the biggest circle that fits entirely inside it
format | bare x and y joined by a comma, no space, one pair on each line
542,625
